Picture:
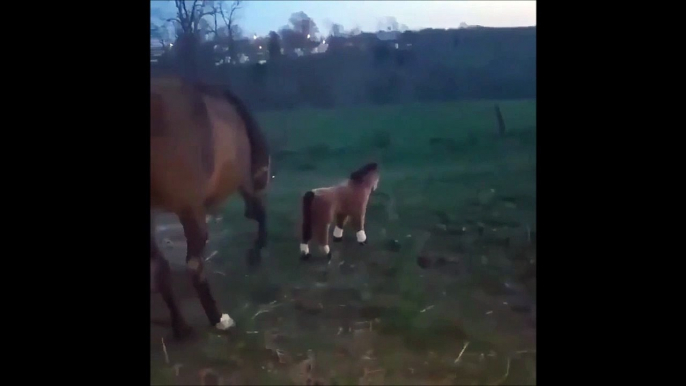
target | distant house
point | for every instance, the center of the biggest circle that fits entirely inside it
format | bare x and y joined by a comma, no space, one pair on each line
363,41
321,48
388,35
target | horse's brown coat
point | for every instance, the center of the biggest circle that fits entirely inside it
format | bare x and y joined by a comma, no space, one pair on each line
204,146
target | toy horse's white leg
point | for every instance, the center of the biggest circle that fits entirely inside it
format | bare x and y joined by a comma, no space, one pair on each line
338,229
304,249
327,251
358,224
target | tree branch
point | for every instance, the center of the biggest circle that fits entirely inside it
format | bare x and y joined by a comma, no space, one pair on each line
182,14
229,25
194,20
234,7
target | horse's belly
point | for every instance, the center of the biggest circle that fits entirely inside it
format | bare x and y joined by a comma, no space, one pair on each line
323,209
225,181
231,149
176,178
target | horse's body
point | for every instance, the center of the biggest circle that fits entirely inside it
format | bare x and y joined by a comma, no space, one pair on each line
204,146
339,203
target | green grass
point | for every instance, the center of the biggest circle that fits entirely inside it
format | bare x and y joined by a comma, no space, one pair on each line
439,165
409,124
466,156
335,142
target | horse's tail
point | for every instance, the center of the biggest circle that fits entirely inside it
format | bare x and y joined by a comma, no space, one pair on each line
259,148
307,216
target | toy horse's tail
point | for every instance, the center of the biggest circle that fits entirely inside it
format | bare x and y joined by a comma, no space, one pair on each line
307,216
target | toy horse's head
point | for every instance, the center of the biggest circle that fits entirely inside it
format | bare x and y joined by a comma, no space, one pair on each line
368,175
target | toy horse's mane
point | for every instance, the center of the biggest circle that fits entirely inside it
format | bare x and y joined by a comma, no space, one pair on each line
358,175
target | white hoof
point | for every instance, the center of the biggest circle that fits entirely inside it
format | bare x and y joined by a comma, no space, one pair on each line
225,322
304,249
361,237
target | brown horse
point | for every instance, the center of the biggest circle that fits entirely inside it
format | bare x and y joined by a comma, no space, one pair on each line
204,146
347,200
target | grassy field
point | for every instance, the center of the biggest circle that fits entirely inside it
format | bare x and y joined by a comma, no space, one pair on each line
444,292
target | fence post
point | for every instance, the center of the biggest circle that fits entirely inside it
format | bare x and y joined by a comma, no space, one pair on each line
501,121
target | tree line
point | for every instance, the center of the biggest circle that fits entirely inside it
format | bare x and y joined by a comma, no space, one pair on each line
299,66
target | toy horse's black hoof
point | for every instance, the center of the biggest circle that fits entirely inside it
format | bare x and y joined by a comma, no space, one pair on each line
337,239
305,256
362,243
328,256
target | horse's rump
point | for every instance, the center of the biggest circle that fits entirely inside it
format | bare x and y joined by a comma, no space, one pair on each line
259,148
178,111
204,139
181,145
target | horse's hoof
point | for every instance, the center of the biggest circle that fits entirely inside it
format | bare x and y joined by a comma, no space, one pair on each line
337,239
225,323
328,256
305,256
363,242
182,331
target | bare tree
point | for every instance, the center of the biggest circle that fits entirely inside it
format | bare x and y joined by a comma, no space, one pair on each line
274,46
303,24
336,30
231,26
299,34
189,20
189,23
390,23
161,34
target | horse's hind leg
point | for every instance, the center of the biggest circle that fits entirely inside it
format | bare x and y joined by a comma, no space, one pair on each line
255,210
322,237
195,230
161,276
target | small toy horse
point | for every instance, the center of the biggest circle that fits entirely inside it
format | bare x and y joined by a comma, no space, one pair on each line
324,205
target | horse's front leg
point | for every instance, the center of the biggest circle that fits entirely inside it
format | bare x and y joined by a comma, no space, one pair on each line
255,210
260,215
358,225
161,281
341,218
195,230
